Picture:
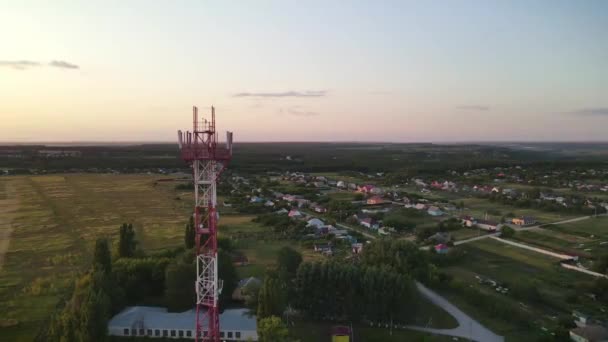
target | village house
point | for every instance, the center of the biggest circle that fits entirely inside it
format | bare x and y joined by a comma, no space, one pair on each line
467,221
256,199
294,213
341,184
366,189
375,200
281,211
315,222
441,237
318,208
589,333
523,220
436,185
434,211
420,206
419,182
269,204
488,225
357,247
289,198
324,248
441,248
377,191
366,221
302,202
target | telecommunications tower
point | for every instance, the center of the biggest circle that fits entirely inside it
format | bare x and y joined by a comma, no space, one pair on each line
200,149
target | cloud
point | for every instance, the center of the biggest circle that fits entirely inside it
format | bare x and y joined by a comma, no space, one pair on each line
24,64
297,111
473,107
309,93
593,111
63,64
19,65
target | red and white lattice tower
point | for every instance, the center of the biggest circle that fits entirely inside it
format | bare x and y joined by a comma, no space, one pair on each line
200,149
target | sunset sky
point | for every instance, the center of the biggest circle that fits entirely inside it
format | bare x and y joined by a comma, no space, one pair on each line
305,70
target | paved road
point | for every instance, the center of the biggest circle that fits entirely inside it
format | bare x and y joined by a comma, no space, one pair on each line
467,326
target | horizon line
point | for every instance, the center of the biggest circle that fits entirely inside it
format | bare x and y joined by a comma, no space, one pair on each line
147,142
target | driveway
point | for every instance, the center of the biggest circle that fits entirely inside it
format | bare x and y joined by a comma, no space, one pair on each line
467,327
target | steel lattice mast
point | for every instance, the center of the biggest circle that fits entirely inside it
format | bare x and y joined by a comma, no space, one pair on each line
200,149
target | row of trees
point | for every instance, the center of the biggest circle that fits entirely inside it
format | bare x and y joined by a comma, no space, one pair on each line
329,290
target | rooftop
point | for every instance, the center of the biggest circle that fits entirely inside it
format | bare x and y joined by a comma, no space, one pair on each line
159,318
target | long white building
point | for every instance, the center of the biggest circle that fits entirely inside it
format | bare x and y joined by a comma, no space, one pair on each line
235,324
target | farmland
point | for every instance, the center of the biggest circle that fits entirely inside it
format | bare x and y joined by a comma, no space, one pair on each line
519,270
55,221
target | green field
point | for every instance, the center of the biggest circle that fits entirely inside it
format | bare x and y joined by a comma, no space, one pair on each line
512,266
479,207
55,221
557,242
593,228
586,236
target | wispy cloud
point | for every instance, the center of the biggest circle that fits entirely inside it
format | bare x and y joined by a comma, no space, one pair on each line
593,111
297,111
473,107
19,65
380,92
309,93
63,64
25,64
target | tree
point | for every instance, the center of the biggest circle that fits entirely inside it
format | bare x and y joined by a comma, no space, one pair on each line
190,234
179,286
227,273
272,296
126,243
102,259
288,262
272,329
507,232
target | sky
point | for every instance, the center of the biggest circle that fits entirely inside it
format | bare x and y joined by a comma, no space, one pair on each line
400,71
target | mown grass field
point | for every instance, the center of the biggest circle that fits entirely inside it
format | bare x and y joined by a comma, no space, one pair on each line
55,220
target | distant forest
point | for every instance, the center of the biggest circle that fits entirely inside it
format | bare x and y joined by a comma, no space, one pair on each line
410,159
